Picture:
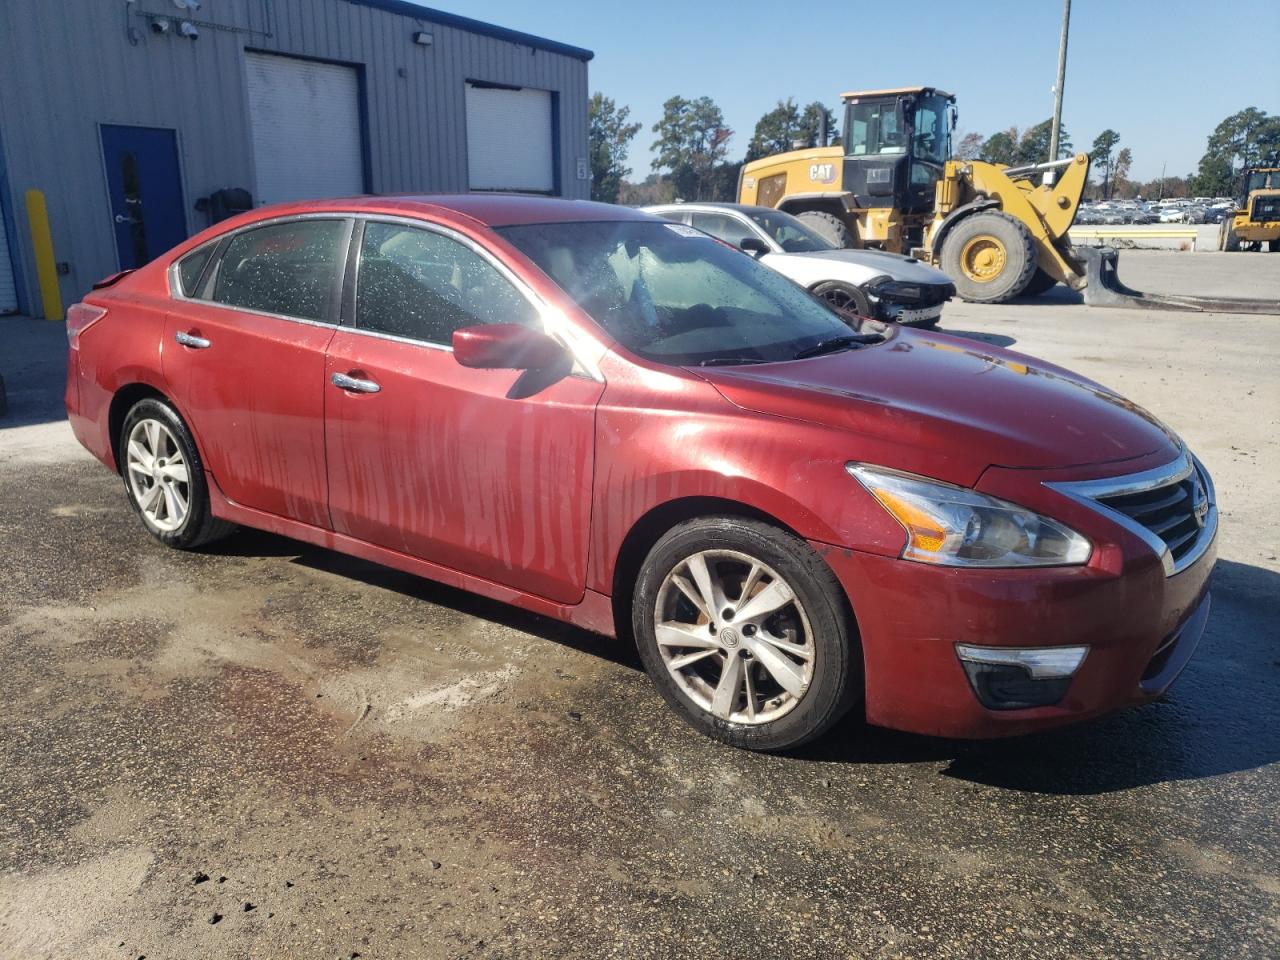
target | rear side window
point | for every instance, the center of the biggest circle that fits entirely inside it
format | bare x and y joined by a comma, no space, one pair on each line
191,269
423,285
286,268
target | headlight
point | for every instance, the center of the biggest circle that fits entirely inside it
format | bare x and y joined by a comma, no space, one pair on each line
958,527
895,289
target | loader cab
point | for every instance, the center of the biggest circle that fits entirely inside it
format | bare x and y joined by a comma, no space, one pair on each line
896,143
1259,178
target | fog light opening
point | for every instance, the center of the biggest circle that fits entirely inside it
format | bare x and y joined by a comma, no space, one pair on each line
1014,678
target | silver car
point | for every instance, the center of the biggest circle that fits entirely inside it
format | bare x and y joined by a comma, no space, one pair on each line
870,283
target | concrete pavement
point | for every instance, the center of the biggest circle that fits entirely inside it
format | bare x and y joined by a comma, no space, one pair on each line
268,750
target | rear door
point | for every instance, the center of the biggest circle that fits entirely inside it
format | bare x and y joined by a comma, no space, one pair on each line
245,349
487,472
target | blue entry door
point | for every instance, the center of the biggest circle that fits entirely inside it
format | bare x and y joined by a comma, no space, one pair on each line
145,188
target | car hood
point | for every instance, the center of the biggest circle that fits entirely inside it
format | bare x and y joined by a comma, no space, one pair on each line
950,407
868,263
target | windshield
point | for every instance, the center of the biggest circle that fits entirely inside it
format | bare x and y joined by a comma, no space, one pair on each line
932,140
672,294
1262,180
789,232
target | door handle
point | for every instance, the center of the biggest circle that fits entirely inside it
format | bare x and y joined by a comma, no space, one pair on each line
354,384
191,340
121,218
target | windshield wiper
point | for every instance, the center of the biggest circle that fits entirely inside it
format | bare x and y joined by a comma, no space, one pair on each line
832,344
729,361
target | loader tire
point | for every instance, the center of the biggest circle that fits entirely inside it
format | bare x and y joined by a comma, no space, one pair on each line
1039,283
990,256
829,227
1273,246
1229,240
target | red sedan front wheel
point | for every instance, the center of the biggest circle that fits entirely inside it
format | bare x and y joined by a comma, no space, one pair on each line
745,631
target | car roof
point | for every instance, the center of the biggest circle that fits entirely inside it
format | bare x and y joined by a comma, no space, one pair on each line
712,205
489,209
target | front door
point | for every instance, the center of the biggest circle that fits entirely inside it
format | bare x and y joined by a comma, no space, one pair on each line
144,185
487,472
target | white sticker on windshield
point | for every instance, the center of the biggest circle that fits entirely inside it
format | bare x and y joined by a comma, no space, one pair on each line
685,230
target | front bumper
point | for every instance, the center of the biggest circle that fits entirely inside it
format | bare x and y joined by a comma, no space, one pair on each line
1141,627
924,308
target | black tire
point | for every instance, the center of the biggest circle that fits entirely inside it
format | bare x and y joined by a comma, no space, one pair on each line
835,685
1228,239
199,526
844,298
828,226
1019,257
1273,246
1039,283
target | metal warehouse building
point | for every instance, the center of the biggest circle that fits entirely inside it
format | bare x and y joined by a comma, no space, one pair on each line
135,123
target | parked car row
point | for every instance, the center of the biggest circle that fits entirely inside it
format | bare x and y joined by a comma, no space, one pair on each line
1114,213
618,421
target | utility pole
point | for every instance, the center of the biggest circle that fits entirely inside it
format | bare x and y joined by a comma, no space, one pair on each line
1163,164
1057,90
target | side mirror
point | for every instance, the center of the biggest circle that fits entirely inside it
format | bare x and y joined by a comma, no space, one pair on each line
505,346
753,245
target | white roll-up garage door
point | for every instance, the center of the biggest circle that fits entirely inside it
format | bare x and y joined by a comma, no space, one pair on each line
8,292
305,120
509,139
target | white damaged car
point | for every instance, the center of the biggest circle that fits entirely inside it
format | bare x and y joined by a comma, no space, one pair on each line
870,283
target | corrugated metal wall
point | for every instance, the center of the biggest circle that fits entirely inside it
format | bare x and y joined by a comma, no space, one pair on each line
66,67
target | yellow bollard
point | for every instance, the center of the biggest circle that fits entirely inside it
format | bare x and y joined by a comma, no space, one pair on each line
46,267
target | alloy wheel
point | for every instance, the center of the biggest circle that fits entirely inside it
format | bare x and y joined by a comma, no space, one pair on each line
734,636
158,475
839,299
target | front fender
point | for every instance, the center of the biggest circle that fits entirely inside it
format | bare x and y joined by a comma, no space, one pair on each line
793,473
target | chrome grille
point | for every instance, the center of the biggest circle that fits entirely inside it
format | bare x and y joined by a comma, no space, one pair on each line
1171,508
1169,511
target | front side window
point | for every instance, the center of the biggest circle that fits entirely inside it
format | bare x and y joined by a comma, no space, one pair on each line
423,285
289,268
729,229
675,296
789,232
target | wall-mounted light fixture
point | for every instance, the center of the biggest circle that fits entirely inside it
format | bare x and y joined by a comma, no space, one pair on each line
422,38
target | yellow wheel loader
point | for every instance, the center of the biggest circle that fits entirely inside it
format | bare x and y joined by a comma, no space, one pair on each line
1257,221
893,186
995,230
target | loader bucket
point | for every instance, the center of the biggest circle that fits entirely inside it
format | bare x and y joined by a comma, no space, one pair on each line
1103,288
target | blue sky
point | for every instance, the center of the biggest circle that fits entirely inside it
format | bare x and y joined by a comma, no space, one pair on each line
1161,72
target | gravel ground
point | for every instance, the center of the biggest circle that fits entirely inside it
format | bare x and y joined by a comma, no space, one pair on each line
268,750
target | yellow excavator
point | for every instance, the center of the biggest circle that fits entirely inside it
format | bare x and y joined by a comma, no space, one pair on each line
998,231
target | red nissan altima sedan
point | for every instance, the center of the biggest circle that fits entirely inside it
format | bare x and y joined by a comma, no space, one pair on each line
617,421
